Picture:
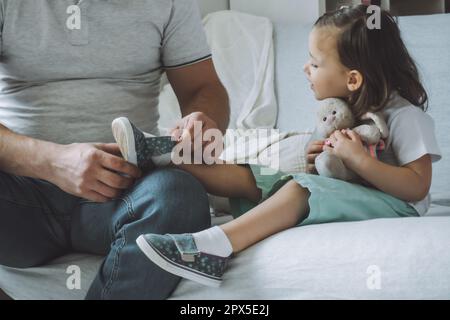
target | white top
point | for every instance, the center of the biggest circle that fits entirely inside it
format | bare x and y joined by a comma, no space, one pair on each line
411,136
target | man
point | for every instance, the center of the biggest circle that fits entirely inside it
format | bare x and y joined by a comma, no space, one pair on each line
68,68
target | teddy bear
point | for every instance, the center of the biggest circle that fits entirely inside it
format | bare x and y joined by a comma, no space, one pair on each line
335,114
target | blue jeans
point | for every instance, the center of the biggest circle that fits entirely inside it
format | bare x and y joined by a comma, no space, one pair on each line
39,222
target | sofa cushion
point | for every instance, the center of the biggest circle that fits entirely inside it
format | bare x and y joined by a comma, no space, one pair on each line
399,258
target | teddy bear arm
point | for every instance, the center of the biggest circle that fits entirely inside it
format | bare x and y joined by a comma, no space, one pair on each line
331,166
370,134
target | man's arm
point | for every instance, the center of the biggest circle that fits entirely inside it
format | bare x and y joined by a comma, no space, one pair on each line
198,89
23,156
90,171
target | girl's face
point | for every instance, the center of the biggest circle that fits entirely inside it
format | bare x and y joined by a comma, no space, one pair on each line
328,77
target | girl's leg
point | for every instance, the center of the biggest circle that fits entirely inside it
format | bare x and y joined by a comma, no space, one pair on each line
203,256
225,180
281,211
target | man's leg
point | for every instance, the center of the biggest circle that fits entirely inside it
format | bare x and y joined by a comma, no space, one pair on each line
165,201
34,221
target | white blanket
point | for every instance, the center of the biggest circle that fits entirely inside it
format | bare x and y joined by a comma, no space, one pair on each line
243,55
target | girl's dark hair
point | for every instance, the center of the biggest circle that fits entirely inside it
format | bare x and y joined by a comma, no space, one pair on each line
381,57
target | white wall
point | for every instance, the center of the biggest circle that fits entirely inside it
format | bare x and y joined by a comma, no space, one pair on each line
207,6
306,11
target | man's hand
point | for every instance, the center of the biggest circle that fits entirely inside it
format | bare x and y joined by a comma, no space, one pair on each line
92,171
314,149
184,131
202,99
184,128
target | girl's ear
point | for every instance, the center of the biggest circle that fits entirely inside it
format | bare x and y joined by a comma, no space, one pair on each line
354,80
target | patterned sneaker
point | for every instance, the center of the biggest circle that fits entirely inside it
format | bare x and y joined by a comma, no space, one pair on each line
140,148
178,254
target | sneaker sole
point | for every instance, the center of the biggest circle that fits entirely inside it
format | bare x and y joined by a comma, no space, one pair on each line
161,262
123,133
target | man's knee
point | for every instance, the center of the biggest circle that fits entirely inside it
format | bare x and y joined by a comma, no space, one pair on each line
184,197
180,199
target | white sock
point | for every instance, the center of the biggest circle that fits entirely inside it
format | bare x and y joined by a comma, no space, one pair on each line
213,241
162,160
148,135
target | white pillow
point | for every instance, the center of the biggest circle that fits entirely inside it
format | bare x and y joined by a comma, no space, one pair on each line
243,54
291,152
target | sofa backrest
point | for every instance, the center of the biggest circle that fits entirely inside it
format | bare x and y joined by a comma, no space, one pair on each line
428,42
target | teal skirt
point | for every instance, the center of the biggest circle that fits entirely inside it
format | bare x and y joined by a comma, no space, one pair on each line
330,200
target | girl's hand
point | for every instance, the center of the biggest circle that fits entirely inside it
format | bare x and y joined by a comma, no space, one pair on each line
314,149
347,145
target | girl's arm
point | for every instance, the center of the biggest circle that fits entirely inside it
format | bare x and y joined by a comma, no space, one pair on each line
409,183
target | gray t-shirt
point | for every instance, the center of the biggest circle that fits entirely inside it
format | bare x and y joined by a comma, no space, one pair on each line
64,84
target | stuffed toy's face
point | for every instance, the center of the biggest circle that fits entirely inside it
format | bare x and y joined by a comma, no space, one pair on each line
334,114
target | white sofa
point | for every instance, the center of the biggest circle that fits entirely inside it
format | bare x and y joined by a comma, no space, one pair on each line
406,258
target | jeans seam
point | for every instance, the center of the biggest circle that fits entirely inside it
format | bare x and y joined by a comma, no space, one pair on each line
115,267
130,213
129,204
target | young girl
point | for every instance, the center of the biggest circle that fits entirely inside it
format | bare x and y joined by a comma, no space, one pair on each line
373,71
